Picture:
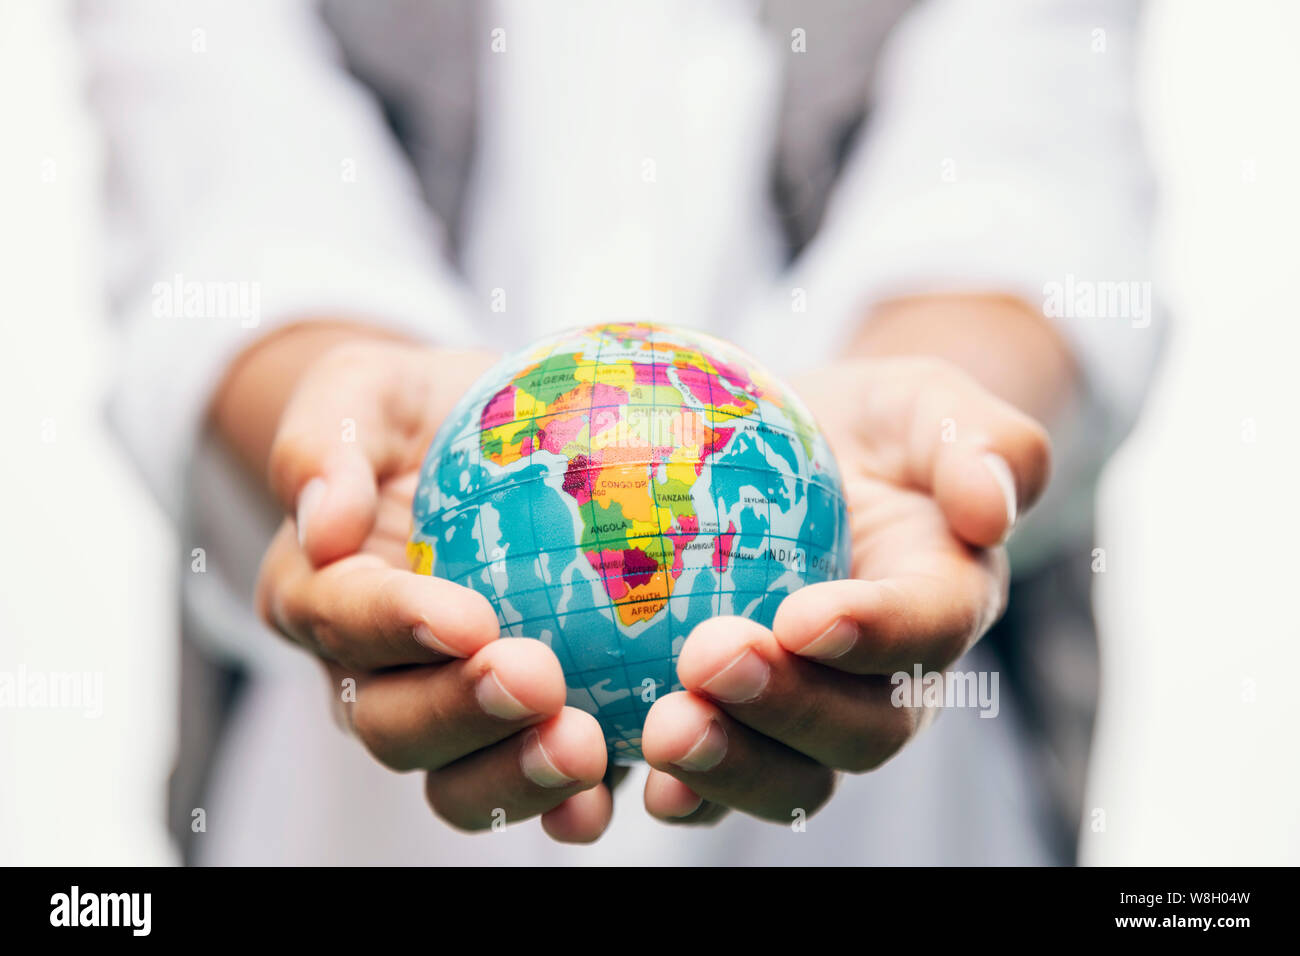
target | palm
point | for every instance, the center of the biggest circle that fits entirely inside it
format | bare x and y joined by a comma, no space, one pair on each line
393,520
414,410
899,531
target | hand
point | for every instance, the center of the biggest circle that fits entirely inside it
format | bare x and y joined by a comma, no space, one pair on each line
935,470
435,690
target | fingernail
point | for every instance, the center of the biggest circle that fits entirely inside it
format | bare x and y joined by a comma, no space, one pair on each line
308,499
497,701
833,642
425,636
707,751
740,681
538,766
1001,471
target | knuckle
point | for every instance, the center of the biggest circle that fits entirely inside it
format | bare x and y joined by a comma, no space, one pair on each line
896,731
707,816
821,795
959,627
873,747
954,643
864,758
863,752
859,756
292,455
277,606
1038,449
746,776
266,600
379,739
389,601
804,720
452,811
328,640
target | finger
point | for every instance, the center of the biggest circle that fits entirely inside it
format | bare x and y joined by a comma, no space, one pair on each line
842,720
672,801
984,460
728,763
523,776
428,717
927,618
362,612
339,431
582,818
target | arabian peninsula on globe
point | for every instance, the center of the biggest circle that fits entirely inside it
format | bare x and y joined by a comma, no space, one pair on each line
609,488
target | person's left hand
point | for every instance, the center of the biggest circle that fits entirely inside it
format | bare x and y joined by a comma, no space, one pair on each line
935,470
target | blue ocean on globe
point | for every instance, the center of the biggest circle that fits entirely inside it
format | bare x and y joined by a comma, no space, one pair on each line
611,487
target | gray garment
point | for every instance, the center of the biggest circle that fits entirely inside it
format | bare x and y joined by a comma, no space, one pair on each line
418,56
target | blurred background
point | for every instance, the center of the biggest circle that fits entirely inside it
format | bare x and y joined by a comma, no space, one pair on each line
1195,759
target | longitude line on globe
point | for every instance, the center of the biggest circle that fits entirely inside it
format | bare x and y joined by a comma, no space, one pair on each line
767,565
537,553
497,604
650,479
591,501
711,414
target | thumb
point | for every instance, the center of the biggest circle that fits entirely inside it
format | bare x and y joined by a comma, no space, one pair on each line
332,495
987,461
332,442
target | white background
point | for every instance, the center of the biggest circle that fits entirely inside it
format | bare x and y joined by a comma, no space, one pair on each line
1196,759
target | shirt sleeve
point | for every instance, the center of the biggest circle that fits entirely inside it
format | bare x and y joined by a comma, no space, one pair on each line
250,182
1003,154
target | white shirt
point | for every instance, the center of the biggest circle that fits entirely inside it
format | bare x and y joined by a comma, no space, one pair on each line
1002,155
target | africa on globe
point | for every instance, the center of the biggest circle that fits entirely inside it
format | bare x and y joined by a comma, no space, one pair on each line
609,488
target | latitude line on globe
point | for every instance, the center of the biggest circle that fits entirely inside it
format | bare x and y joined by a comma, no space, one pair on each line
466,503
471,435
806,543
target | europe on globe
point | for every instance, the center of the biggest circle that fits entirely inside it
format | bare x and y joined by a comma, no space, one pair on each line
609,488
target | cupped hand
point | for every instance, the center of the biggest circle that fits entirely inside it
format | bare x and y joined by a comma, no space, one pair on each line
935,471
416,663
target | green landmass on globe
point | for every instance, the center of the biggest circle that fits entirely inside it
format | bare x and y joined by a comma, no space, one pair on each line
611,487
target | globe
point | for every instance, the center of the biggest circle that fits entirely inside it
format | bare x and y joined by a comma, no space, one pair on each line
609,488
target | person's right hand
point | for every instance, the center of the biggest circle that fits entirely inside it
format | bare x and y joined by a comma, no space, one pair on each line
435,689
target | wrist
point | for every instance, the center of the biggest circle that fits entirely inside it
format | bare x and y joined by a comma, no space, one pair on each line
1004,343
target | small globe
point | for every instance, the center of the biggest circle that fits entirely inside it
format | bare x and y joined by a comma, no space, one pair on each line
609,488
